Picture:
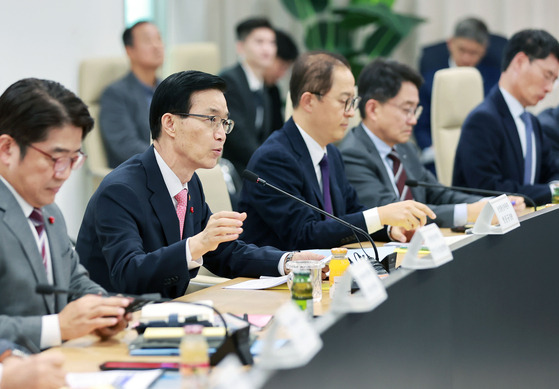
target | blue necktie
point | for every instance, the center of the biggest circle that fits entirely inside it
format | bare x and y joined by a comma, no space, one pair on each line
325,171
528,158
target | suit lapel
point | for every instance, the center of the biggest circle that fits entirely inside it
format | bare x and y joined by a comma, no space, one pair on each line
16,222
300,149
56,245
511,132
159,199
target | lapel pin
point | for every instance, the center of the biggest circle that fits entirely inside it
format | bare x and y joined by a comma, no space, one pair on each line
191,209
51,219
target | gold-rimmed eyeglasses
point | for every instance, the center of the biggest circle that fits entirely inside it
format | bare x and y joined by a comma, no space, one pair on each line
215,120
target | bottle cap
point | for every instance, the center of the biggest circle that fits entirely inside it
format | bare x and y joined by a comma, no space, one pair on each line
339,251
193,329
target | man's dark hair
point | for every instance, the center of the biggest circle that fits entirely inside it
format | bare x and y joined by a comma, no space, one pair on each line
473,29
127,37
287,49
30,108
536,44
247,26
174,94
382,80
313,72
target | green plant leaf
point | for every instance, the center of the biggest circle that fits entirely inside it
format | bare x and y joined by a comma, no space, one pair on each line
329,35
303,9
381,42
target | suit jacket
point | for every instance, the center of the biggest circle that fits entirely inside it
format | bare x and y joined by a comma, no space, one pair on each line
129,239
549,119
279,221
21,270
367,173
245,139
124,119
489,153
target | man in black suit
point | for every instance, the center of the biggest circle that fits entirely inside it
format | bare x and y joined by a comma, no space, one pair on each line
148,228
502,146
248,104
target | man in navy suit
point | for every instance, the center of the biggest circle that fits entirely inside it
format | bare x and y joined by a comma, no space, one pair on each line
502,146
469,46
249,104
123,119
294,159
147,228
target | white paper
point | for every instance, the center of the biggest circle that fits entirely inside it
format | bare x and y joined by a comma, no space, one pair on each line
125,379
261,283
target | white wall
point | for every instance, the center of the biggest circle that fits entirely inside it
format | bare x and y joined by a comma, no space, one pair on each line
48,39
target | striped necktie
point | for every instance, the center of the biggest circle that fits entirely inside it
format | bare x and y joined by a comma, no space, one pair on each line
36,218
400,176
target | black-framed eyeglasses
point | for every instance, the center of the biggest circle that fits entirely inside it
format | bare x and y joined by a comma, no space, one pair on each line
227,124
62,163
351,102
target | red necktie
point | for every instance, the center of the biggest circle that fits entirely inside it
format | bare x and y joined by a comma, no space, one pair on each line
182,200
400,176
36,218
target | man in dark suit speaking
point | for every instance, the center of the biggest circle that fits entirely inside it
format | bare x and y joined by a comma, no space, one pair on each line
502,146
378,157
301,160
148,228
42,125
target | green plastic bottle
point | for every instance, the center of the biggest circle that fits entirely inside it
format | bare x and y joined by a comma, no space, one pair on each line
301,290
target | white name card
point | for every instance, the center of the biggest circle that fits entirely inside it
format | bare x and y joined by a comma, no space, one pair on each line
303,340
431,237
506,215
229,373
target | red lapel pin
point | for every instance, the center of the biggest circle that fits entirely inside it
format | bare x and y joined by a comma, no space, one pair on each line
51,219
191,209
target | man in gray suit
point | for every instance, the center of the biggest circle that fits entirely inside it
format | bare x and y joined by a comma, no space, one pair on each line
372,150
123,119
42,126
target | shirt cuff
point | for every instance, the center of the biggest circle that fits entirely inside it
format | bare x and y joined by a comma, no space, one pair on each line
281,267
50,331
460,215
192,263
372,220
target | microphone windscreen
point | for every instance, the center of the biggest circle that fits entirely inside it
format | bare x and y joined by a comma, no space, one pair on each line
411,183
250,176
44,289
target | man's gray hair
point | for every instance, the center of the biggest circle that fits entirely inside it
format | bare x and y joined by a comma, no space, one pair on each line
474,29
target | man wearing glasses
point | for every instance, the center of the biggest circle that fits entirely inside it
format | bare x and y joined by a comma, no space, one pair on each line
301,160
377,154
502,146
147,228
42,126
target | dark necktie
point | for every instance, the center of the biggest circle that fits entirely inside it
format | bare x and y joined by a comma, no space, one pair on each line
400,176
528,158
259,105
325,171
36,218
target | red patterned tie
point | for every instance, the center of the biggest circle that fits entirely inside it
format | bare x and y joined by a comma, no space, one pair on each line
182,200
400,176
36,218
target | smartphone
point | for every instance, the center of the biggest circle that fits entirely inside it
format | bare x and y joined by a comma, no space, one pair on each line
116,365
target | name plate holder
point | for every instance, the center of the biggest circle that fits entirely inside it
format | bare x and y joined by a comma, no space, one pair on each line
229,373
431,237
303,342
506,215
371,290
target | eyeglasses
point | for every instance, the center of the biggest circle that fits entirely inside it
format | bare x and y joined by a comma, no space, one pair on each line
352,102
62,163
227,124
409,112
547,74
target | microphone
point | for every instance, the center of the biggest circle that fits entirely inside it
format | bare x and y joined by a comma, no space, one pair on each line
385,265
415,183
